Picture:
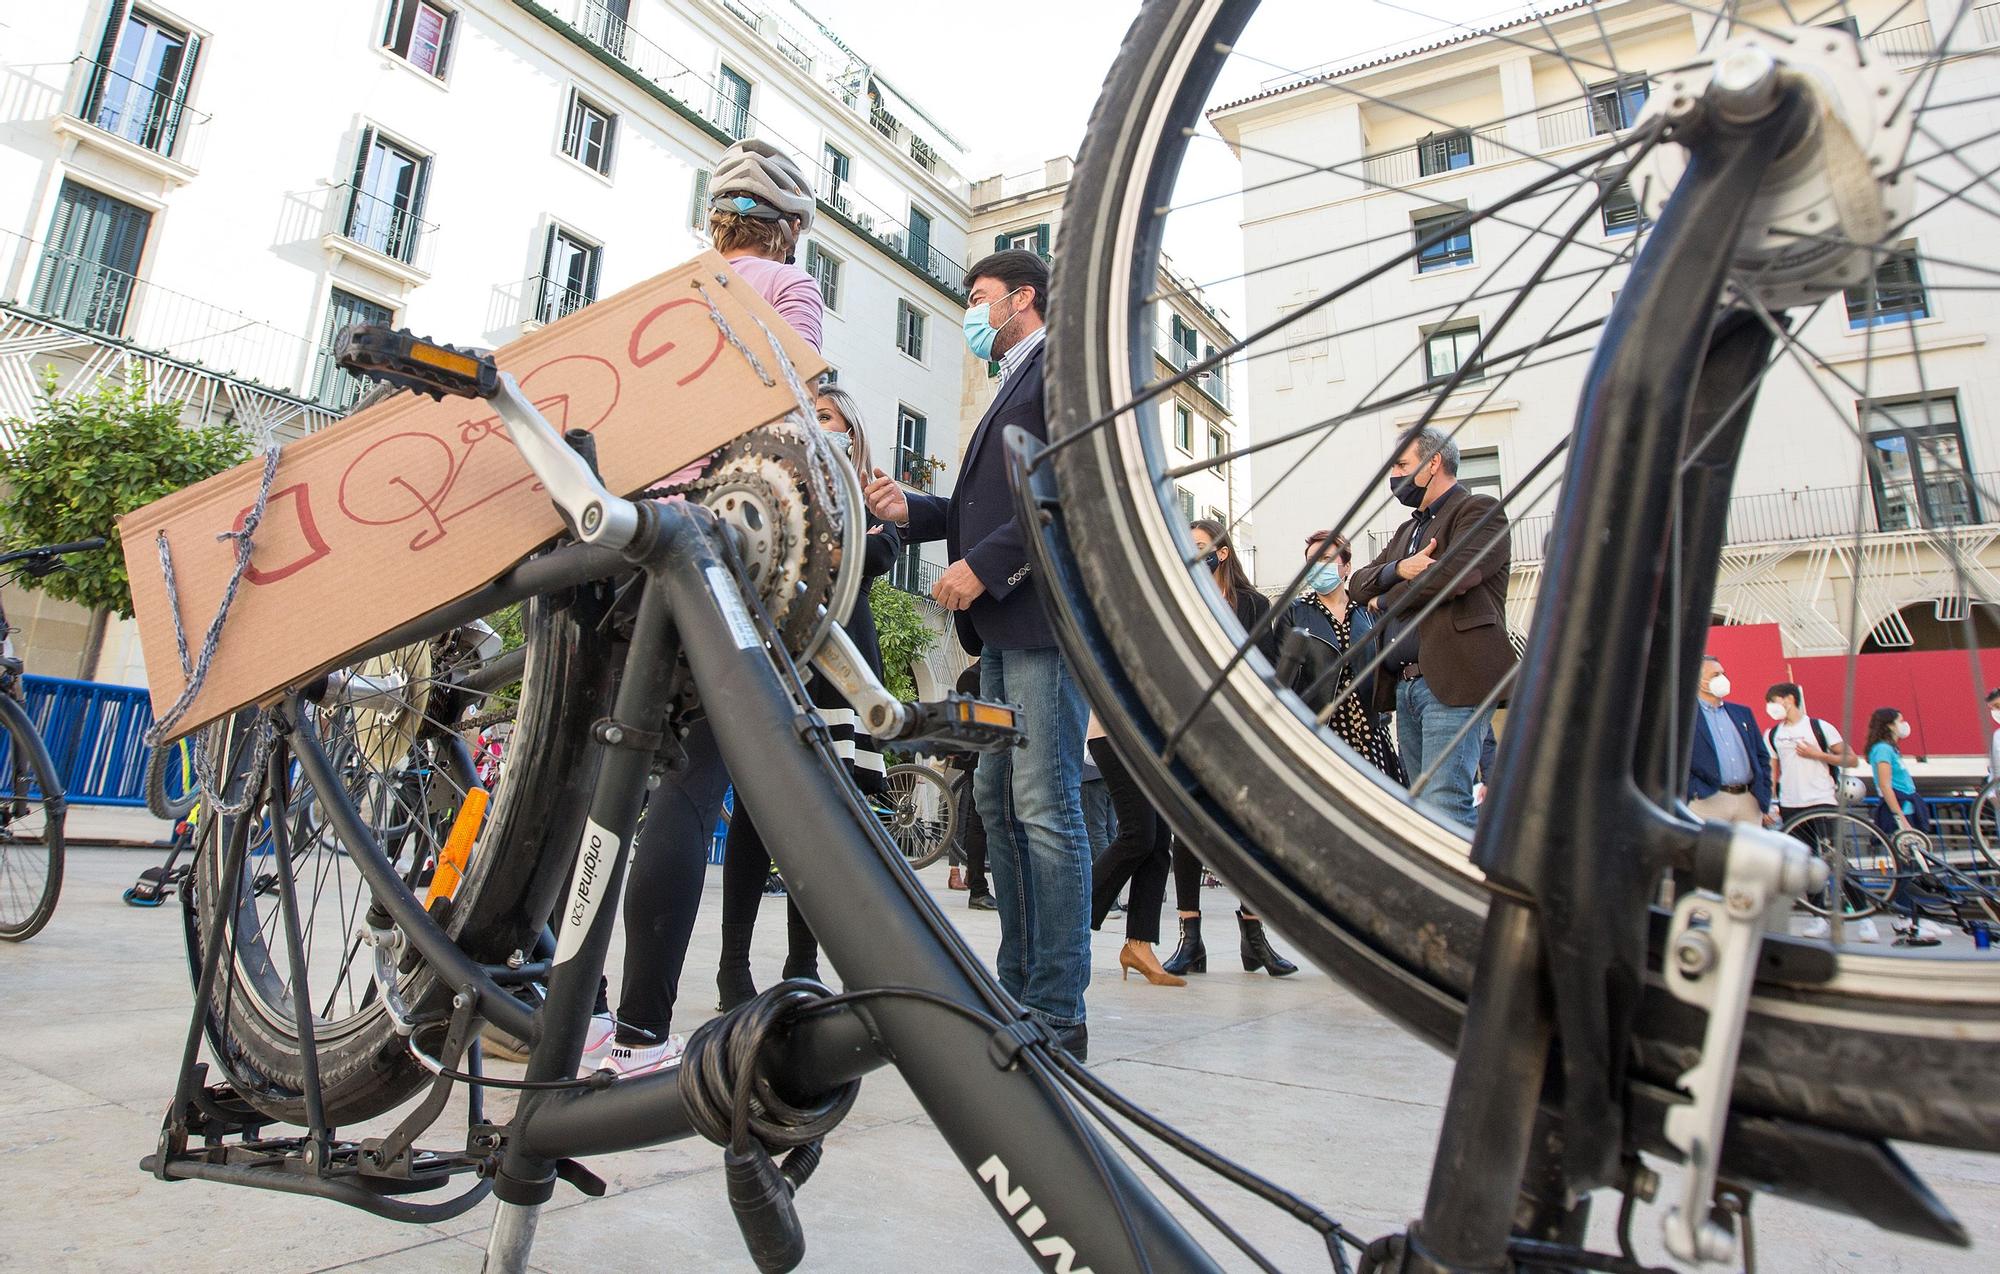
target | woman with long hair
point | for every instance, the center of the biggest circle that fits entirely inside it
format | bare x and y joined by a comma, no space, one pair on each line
1211,544
746,861
1901,810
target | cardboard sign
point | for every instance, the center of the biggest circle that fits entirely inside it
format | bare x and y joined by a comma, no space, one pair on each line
412,504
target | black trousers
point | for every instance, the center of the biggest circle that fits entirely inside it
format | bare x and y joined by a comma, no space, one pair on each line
972,841
745,866
1141,852
669,861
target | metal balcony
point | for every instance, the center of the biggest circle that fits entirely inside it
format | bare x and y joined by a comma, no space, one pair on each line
1435,156
381,225
145,115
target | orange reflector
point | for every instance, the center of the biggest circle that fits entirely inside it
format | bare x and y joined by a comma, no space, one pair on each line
457,849
992,714
444,359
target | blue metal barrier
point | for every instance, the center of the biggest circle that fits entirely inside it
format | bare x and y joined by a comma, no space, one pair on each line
97,735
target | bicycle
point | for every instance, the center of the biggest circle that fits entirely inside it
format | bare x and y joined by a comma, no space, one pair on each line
921,812
33,802
1875,868
1679,1033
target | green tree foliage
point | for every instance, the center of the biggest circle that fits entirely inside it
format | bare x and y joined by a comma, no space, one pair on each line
904,635
81,461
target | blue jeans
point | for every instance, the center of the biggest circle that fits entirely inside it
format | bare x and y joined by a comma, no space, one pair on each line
1424,729
1098,820
1037,850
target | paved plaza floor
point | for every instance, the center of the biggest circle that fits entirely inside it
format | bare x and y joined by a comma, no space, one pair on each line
1295,1078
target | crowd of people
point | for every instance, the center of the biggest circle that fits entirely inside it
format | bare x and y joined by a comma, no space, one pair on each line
1405,661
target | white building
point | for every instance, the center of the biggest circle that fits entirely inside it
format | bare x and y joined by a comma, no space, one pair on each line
1457,122
210,189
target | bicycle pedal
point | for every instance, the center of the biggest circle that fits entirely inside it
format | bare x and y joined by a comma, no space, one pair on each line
966,723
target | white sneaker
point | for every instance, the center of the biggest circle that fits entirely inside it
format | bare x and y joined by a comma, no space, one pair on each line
628,1060
597,1041
1815,927
1866,931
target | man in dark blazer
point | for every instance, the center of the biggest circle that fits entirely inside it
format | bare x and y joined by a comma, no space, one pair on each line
1729,769
1442,666
1037,849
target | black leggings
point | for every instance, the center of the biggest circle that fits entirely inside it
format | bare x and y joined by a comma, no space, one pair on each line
1139,853
744,869
664,892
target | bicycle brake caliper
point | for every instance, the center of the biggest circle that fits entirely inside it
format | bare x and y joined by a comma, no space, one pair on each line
1712,951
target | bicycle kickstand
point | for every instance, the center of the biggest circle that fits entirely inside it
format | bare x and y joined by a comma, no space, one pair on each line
1712,948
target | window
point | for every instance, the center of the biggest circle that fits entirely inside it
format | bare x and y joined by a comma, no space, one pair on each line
1182,341
1184,429
90,262
1444,241
826,272
908,572
732,107
587,133
139,84
1184,502
334,387
1033,239
1850,25
1449,349
385,211
1479,470
1443,152
569,275
420,32
831,376
920,237
1620,210
1896,295
838,166
910,330
1918,465
1614,104
1217,444
698,202
605,23
912,459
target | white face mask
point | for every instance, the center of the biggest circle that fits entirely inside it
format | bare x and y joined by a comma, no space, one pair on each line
1902,729
1995,714
1775,710
1718,685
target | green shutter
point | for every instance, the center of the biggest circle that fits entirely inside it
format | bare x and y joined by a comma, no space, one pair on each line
1042,240
444,43
698,206
106,47
999,243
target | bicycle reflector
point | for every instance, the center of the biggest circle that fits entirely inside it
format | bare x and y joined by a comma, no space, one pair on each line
394,355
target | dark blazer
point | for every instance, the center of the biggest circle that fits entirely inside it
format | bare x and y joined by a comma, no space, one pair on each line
880,548
977,524
1463,647
1324,648
1704,770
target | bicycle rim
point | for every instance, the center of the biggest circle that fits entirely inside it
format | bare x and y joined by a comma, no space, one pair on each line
31,846
1328,849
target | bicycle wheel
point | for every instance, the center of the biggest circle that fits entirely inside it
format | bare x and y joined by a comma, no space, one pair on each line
31,830
919,812
1327,848
395,728
1865,859
170,788
1986,832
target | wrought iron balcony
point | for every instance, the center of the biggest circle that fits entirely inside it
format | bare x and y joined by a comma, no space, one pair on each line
1435,156
145,115
915,575
551,299
381,225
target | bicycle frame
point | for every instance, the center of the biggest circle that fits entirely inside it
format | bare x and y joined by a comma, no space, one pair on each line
1066,1196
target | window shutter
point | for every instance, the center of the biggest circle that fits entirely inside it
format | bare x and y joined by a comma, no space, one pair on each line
591,262
114,22
402,24
444,43
1042,239
572,124
610,140
999,243
418,193
549,253
698,205
182,84
361,154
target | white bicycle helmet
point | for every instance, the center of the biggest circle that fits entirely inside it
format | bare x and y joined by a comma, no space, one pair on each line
769,180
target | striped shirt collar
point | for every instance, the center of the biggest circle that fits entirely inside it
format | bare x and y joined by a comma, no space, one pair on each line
1011,361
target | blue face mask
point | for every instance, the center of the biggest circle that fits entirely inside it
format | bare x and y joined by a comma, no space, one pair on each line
979,330
1324,578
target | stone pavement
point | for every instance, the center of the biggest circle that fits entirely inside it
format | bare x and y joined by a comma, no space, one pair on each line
1295,1078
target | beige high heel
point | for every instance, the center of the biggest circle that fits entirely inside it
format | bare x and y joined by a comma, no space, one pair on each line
1137,957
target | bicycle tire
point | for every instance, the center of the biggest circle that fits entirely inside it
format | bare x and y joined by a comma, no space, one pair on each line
1984,809
34,860
162,762
1374,892
922,840
1868,893
507,895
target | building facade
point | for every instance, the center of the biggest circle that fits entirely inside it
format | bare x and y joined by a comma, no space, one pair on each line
1404,143
204,193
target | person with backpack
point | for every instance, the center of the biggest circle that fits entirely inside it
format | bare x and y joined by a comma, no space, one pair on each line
1807,754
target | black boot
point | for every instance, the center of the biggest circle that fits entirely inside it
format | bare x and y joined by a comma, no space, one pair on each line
1258,952
732,976
801,949
1190,956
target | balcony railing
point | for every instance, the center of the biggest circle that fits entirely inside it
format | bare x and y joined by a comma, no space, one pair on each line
1817,513
142,114
381,225
1211,382
1435,156
1988,18
1911,41
744,13
80,293
550,299
915,575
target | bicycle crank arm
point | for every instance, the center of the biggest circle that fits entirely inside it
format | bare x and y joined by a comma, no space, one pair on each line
1712,963
957,720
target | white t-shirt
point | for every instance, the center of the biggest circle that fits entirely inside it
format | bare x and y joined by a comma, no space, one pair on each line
1801,781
